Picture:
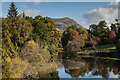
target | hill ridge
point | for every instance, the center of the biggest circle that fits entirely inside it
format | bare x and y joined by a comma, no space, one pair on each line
64,23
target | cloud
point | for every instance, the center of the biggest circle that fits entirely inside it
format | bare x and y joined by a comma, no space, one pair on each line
110,13
32,13
113,5
117,0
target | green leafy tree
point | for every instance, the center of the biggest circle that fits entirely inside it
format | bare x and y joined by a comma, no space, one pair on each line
74,38
66,35
45,30
118,35
114,27
93,29
15,36
30,19
101,30
39,17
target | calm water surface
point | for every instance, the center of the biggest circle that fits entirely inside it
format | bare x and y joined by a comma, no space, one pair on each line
88,67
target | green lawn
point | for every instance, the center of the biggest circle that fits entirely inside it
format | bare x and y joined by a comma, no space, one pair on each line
104,47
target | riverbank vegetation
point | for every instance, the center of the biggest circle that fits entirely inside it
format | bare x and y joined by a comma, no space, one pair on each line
28,44
31,45
98,38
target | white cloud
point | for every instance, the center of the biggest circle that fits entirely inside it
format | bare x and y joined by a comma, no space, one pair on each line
113,4
109,14
117,0
32,13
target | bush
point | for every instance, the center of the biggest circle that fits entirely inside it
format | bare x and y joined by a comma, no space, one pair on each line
33,52
44,52
13,68
33,58
53,50
31,44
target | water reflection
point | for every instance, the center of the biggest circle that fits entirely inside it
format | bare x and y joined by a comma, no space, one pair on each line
88,67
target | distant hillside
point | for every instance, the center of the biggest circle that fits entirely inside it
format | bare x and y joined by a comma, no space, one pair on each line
64,23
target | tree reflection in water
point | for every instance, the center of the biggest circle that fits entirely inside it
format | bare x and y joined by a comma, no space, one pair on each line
49,76
95,66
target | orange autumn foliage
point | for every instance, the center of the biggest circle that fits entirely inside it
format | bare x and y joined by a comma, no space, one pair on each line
112,36
73,34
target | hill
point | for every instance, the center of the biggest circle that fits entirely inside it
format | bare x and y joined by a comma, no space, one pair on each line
64,23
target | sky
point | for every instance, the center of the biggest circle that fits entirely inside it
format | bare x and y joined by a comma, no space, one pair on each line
84,13
60,0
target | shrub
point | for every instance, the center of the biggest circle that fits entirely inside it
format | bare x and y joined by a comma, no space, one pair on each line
44,52
74,45
31,44
53,50
13,68
33,52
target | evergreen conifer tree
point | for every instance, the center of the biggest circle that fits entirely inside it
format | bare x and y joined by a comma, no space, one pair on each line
12,12
23,14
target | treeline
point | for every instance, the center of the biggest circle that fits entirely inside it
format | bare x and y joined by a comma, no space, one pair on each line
27,41
103,34
35,41
76,39
19,30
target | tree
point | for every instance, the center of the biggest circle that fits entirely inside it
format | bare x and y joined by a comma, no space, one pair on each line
92,41
112,36
75,45
44,29
74,38
101,30
39,17
66,34
94,29
15,35
12,12
118,35
114,27
73,34
23,14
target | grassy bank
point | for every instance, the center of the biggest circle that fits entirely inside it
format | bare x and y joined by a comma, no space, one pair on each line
103,47
109,48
